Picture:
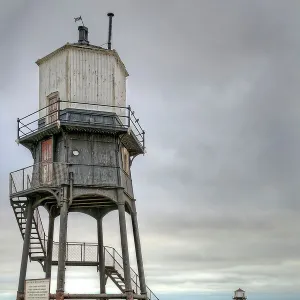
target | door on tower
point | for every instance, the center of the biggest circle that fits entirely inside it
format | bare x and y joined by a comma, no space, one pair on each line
46,162
53,108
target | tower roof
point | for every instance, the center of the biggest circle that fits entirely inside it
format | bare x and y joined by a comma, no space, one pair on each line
87,47
240,290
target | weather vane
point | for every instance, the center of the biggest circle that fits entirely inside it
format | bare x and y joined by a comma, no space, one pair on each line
79,19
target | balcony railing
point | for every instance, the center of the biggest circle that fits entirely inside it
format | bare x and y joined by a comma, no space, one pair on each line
55,174
111,116
38,175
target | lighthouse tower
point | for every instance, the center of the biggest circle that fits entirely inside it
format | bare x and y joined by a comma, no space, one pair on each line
83,139
239,295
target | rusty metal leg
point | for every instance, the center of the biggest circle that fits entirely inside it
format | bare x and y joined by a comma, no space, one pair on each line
25,253
101,256
48,262
62,247
138,251
124,243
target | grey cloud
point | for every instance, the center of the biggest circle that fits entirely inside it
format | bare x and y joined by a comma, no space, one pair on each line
216,86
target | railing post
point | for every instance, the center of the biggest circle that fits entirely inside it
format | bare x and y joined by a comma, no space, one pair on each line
58,109
18,128
36,220
129,113
144,145
114,261
23,184
10,184
83,251
67,256
136,286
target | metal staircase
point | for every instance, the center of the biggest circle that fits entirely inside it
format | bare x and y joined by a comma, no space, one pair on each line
37,237
116,278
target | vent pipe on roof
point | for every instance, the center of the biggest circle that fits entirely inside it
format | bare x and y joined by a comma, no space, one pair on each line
83,35
110,15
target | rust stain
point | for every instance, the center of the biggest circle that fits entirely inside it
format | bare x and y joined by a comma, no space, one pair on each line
59,295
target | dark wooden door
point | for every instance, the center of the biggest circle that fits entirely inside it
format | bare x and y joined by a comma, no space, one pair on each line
53,108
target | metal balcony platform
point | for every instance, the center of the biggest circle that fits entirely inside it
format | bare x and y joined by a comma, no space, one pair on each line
39,178
82,117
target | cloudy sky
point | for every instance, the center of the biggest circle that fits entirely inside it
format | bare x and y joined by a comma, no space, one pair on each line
216,86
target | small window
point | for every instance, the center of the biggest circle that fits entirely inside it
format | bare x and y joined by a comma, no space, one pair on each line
125,160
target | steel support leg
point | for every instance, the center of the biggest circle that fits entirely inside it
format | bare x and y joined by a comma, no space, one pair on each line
49,246
138,252
25,252
62,247
125,252
101,256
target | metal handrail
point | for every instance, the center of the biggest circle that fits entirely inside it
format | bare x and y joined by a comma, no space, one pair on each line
25,122
32,176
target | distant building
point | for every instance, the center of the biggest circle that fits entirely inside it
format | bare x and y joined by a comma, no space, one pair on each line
239,295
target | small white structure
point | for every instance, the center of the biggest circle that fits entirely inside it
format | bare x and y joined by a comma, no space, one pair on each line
239,295
82,75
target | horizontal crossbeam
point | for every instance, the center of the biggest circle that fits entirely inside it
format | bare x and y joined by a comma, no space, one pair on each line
98,296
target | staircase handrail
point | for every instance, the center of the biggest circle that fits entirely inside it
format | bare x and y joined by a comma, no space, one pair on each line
136,275
135,282
114,256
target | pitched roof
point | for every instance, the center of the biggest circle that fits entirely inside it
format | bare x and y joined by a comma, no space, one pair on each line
88,47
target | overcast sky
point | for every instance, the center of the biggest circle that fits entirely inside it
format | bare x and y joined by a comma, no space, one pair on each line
216,87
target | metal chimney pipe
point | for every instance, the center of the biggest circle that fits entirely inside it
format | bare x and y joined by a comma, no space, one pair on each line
110,15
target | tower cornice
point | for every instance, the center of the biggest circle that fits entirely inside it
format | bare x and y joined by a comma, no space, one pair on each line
85,47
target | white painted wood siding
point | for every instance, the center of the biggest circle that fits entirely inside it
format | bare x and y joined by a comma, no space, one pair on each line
52,78
84,75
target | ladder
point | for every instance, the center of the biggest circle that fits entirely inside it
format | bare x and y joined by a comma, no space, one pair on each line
37,236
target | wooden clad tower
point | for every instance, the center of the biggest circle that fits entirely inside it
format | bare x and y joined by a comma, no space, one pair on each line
83,140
